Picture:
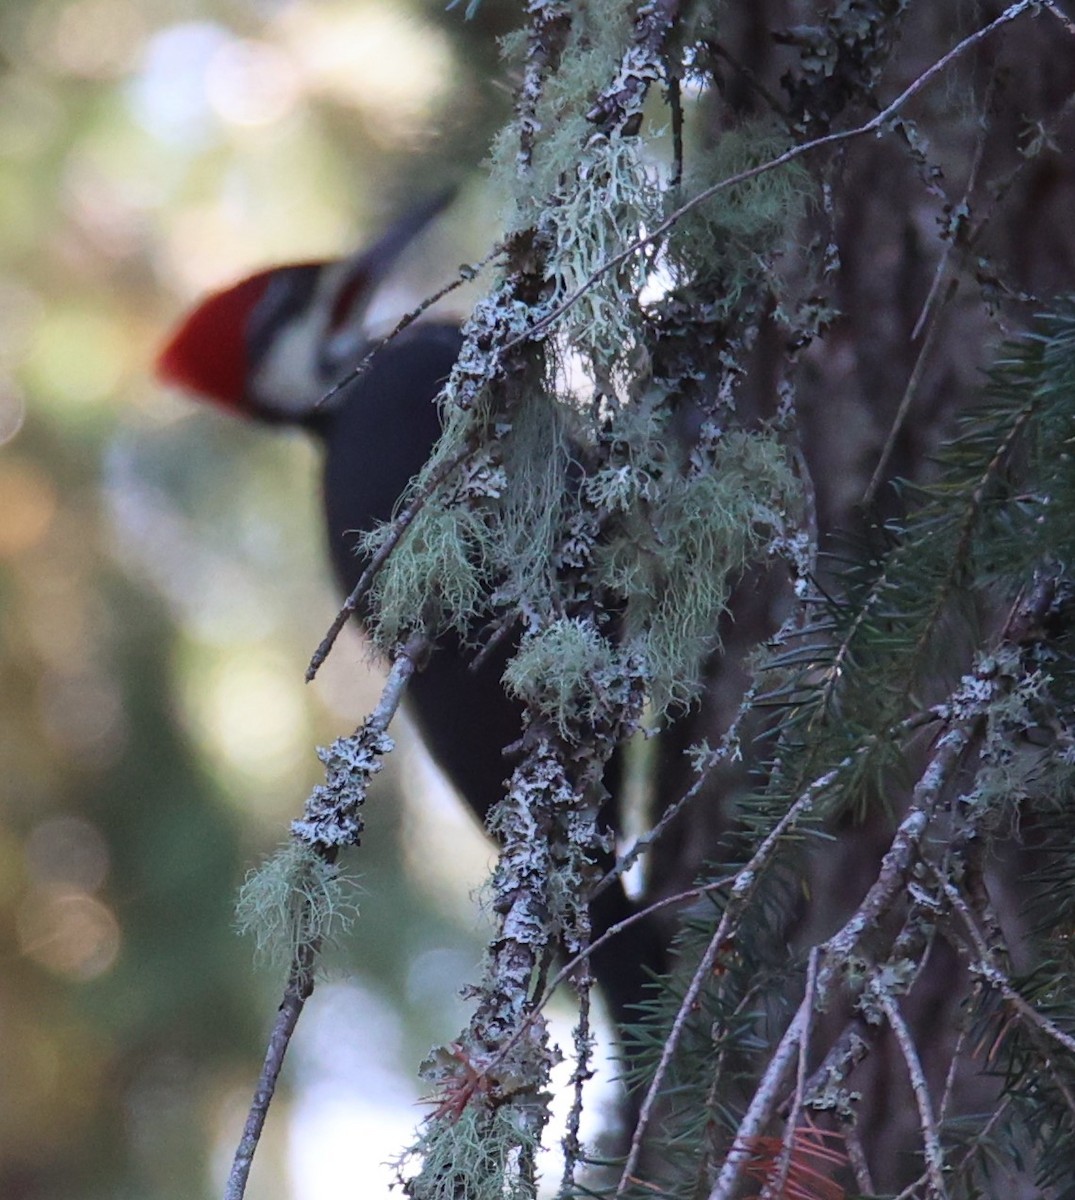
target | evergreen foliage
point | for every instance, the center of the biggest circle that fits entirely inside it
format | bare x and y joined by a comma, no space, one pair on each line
849,701
921,679
635,506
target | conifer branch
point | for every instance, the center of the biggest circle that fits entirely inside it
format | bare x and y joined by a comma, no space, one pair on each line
744,884
985,968
465,274
874,125
931,1138
313,830
970,702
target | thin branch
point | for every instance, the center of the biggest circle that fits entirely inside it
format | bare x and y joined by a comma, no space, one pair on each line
465,274
860,1167
296,992
742,888
763,1103
300,981
399,527
901,854
930,312
986,969
950,1078
836,952
1061,16
726,751
875,124
572,964
964,204
914,381
583,1038
931,1138
775,1187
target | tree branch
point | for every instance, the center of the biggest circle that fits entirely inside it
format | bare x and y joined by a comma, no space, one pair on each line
874,125
300,981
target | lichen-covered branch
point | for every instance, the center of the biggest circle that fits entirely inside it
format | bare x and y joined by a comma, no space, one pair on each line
292,918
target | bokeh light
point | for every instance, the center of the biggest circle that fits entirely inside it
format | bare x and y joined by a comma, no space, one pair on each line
250,717
252,83
28,501
68,932
67,850
162,584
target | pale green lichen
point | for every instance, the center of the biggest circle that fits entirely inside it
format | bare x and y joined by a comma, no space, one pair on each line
436,577
563,672
730,234
588,60
614,200
294,900
477,1155
492,528
537,453
679,554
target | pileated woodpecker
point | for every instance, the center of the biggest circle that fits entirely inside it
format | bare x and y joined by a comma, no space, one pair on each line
270,347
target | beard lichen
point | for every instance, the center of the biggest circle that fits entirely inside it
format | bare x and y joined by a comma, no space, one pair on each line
488,537
566,672
295,900
679,551
437,578
475,1156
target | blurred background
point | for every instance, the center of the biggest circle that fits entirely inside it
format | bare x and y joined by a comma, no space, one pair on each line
162,584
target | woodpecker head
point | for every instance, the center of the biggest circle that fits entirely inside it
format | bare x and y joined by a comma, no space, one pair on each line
271,345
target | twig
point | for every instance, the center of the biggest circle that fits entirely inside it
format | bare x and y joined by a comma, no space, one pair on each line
1061,16
910,391
930,312
830,139
836,952
845,1053
583,1039
912,1188
984,966
764,1100
502,630
572,964
964,204
399,527
743,886
300,981
548,28
296,992
950,1078
775,1187
856,1155
931,1138
464,275
728,748
902,852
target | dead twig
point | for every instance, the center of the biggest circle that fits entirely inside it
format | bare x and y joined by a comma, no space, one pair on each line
874,125
300,981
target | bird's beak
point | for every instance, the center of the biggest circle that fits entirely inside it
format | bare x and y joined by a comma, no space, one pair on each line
355,279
